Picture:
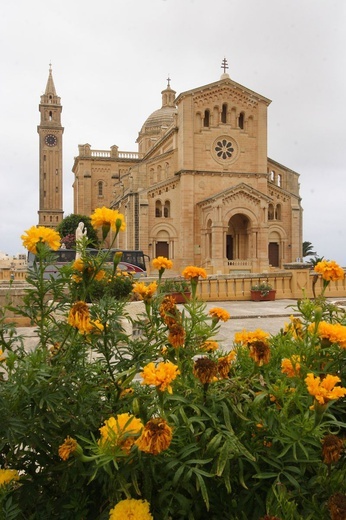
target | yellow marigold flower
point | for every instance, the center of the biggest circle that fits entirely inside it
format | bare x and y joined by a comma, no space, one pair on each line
43,235
219,314
260,352
333,332
78,265
131,509
205,370
245,337
161,262
224,364
210,346
68,447
291,367
160,376
295,327
329,270
192,272
156,436
120,431
7,476
324,390
332,449
2,357
79,317
108,217
145,292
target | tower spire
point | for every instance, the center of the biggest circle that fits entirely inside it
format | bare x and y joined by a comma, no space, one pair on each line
50,87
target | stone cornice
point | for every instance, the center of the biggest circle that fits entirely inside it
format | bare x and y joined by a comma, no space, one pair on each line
233,192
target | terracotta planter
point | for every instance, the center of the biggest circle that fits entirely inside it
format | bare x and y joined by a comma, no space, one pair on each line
180,297
257,296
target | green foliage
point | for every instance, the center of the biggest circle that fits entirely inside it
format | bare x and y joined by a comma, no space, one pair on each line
246,443
263,287
69,225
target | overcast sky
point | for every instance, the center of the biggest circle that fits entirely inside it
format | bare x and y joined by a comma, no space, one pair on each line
110,61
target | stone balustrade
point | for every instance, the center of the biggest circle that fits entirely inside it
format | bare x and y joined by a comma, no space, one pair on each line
290,284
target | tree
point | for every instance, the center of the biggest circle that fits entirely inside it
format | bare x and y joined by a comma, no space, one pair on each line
67,229
308,249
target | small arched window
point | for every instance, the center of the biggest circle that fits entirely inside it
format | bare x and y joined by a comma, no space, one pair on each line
158,208
278,212
206,121
272,176
50,115
167,209
279,180
100,188
241,120
224,113
270,212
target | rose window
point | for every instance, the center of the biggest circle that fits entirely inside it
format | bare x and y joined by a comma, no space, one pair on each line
224,149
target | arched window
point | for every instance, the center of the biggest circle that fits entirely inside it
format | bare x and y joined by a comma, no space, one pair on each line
100,188
167,209
206,121
50,115
241,120
278,212
270,212
158,208
279,180
272,176
224,113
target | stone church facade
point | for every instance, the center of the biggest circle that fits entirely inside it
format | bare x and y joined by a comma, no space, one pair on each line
200,189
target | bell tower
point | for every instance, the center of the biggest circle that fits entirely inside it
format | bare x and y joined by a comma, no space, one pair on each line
50,131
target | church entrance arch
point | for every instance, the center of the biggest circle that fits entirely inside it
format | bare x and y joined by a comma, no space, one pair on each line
237,237
162,244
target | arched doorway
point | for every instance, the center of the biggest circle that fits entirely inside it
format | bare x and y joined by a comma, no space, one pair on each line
162,244
237,237
274,249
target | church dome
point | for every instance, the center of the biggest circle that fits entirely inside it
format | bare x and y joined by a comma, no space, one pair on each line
163,117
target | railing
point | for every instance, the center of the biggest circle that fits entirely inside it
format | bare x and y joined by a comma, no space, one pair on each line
290,284
119,155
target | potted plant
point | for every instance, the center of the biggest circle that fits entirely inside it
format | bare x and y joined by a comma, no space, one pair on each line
178,288
262,291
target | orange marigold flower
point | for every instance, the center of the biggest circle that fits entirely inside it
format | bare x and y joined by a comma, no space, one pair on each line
324,390
176,336
79,317
205,370
145,292
291,367
332,448
192,272
245,337
218,314
337,506
210,346
333,332
224,364
7,476
120,431
161,375
69,446
329,270
156,436
40,235
169,312
131,509
108,217
161,262
260,352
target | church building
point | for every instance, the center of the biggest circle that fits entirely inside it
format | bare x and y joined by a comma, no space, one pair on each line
200,189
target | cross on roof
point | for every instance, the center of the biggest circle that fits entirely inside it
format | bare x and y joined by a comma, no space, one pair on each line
224,65
168,81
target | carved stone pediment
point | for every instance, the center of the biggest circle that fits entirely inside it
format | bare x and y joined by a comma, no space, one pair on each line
241,194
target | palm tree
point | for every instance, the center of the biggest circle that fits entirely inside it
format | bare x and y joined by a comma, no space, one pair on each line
308,249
